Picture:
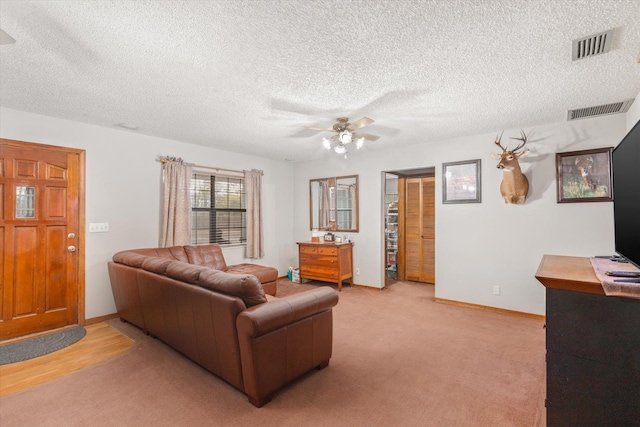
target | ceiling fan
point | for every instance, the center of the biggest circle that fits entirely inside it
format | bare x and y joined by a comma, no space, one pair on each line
345,134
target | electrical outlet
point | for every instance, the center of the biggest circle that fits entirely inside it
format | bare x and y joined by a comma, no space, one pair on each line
496,290
357,271
98,227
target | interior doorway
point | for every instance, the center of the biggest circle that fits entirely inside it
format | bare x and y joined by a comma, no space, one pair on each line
41,238
390,199
409,225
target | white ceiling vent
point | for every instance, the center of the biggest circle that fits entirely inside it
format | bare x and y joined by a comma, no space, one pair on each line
591,45
599,110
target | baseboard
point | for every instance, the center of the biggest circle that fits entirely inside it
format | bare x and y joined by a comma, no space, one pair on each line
100,319
372,288
344,284
494,309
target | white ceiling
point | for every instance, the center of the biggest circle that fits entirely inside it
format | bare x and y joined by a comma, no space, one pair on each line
247,75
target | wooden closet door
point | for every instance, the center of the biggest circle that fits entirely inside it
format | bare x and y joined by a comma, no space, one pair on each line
428,265
419,228
413,228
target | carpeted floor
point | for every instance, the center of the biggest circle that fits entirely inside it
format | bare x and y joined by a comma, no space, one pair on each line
399,359
40,345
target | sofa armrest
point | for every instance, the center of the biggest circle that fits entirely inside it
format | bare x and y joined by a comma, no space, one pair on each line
283,339
264,318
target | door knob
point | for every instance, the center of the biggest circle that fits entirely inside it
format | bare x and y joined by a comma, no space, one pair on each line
71,248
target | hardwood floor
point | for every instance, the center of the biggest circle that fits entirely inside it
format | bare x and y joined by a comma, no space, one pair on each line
100,343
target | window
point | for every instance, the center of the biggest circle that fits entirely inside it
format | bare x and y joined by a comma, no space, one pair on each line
345,210
218,209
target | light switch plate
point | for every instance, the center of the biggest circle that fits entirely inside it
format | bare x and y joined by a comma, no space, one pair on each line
98,227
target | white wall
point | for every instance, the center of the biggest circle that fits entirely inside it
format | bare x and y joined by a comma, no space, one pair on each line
478,245
491,243
633,115
123,189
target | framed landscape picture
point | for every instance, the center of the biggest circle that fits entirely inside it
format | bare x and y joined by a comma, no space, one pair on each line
461,182
584,176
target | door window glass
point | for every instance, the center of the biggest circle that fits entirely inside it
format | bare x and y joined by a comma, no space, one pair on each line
25,202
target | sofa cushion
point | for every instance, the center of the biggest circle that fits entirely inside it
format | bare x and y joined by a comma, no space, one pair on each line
173,252
245,287
185,272
263,273
207,255
156,264
129,258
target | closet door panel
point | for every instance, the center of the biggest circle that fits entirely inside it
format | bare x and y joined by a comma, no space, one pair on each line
419,226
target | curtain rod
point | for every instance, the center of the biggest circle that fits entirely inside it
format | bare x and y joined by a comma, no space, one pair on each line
164,160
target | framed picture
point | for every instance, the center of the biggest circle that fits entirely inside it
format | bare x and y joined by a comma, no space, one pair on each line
584,176
461,182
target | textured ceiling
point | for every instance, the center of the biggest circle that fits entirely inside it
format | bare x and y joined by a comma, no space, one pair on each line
247,75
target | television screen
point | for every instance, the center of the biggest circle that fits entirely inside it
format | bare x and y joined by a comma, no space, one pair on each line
626,196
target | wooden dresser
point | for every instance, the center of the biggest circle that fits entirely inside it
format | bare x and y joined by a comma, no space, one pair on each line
593,348
328,262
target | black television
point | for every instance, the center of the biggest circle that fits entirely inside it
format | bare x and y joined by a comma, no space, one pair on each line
625,164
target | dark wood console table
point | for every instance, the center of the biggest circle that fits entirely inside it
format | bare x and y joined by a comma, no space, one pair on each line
593,348
328,262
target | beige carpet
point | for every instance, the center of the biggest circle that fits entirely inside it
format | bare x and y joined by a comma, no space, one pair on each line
399,359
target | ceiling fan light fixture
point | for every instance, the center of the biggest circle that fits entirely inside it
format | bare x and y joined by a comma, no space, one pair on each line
345,137
344,134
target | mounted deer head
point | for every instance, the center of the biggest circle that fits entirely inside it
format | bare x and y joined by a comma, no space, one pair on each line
515,185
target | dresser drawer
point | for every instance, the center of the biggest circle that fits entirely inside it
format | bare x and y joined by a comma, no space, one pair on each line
327,250
319,261
308,249
318,271
319,249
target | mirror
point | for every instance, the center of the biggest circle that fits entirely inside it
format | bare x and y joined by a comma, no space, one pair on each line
334,203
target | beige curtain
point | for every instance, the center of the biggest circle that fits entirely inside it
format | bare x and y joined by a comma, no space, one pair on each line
325,204
176,203
255,239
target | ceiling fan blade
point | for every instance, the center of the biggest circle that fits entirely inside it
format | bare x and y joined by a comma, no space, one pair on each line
360,123
6,38
303,133
314,128
366,136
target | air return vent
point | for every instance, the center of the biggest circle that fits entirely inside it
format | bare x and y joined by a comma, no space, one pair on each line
591,45
599,110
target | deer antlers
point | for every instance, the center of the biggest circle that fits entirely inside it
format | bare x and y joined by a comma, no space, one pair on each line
523,139
497,142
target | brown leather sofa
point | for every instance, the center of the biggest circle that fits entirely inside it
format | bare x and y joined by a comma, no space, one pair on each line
211,256
223,320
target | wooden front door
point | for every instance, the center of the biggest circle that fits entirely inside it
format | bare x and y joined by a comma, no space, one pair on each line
419,229
40,236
